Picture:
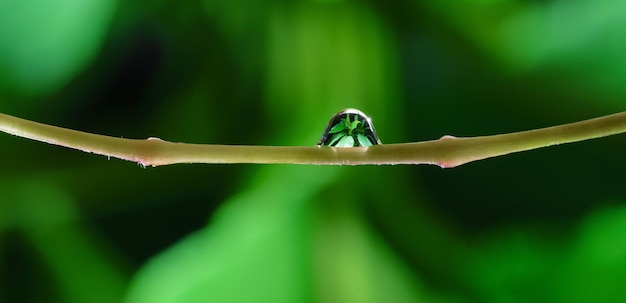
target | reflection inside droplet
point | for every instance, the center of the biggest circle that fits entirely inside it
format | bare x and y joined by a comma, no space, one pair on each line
349,128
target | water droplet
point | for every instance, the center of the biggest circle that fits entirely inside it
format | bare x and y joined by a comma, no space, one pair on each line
358,126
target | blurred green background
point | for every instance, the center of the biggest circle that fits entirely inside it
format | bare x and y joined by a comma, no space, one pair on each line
542,226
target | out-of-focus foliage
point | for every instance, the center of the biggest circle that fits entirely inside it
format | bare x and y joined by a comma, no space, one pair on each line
542,226
46,43
580,39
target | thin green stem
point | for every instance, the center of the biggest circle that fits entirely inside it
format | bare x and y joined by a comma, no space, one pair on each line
446,152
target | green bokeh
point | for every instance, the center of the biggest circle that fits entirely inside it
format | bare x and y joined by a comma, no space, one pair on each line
46,43
540,226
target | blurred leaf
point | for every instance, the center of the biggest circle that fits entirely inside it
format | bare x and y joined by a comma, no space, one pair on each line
354,124
346,141
336,138
596,268
255,250
363,141
329,56
532,265
581,40
43,44
352,263
84,270
337,128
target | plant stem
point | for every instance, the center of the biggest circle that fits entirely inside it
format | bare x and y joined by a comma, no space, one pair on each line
446,152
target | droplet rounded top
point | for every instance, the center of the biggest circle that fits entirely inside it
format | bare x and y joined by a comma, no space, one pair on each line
349,128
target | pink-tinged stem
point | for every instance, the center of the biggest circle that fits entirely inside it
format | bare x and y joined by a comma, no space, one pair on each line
446,152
